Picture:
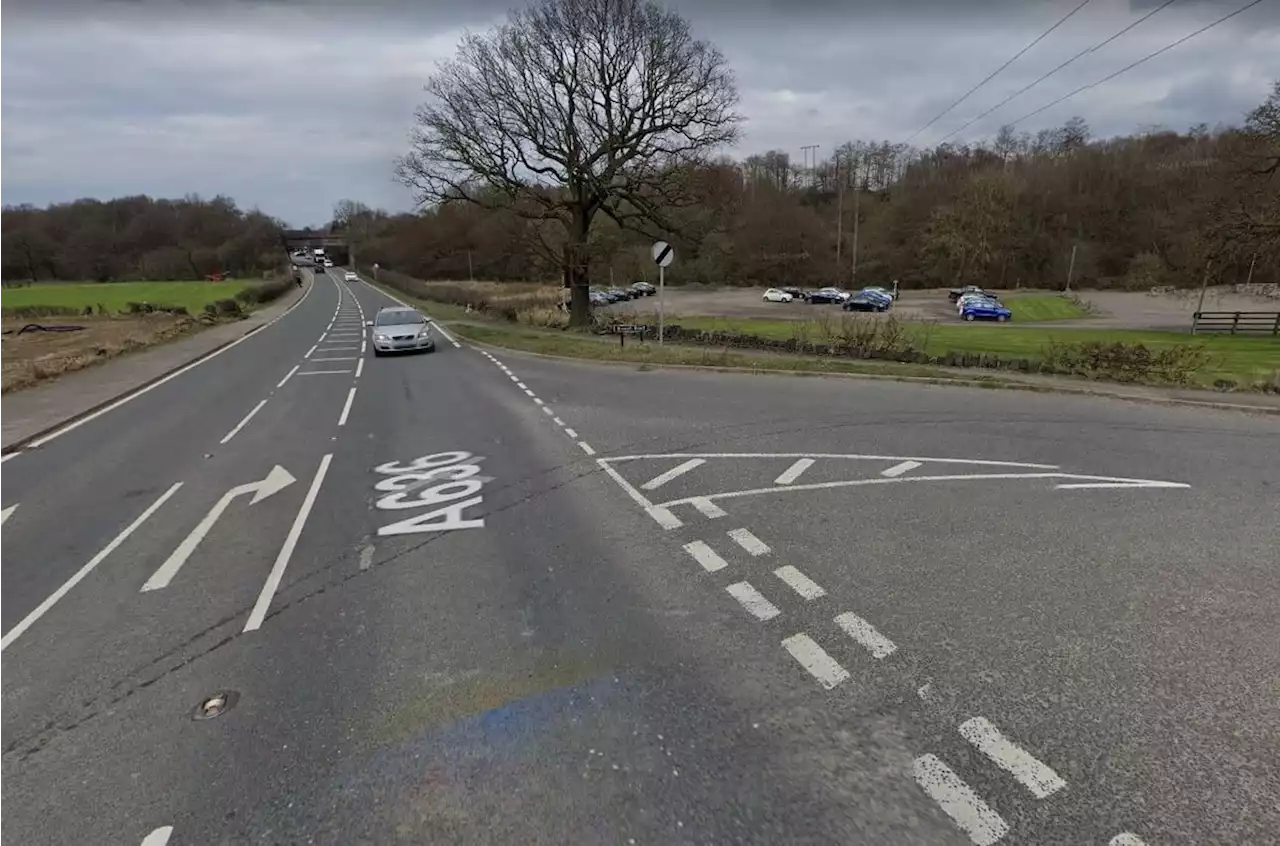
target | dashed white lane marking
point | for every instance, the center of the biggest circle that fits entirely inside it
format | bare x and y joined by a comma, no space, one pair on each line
530,393
749,542
4,515
359,368
259,612
815,660
323,372
40,610
799,582
244,422
1032,773
362,346
338,358
521,385
310,351
898,469
346,408
675,472
1126,839
586,447
548,411
571,432
707,508
866,635
753,601
557,421
706,556
159,837
793,472
538,401
958,801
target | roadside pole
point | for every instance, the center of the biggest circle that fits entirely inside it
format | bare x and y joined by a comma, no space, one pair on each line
663,255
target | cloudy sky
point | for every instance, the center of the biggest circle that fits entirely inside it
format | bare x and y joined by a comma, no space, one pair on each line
290,105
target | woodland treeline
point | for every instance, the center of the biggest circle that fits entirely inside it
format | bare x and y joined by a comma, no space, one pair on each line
1159,207
137,238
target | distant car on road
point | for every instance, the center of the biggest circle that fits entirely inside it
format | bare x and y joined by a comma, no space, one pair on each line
401,329
350,276
977,309
774,295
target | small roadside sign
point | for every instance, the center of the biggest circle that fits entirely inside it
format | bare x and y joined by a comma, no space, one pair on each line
663,254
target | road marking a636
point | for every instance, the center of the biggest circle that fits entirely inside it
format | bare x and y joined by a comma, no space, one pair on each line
447,482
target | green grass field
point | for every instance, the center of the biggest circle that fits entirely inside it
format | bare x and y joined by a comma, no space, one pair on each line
1036,309
113,296
1247,360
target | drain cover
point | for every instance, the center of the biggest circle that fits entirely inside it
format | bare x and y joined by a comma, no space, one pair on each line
216,705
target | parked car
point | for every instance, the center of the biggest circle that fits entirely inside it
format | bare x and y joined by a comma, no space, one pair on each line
401,329
985,309
643,289
796,293
774,295
828,295
866,301
617,295
888,293
597,298
957,293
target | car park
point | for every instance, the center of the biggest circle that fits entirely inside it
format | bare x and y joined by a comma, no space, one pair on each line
774,295
401,329
985,309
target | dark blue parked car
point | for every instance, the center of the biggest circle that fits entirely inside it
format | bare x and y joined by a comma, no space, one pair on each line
984,309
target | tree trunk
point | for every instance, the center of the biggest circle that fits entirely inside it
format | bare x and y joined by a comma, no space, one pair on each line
575,268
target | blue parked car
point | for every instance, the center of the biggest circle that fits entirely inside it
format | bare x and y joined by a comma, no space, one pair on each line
984,309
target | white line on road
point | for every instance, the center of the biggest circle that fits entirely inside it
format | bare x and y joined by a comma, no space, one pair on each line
706,556
899,469
799,582
310,351
586,447
521,385
259,612
707,507
359,368
793,472
538,401
14,633
346,408
662,516
866,635
338,358
366,556
839,455
159,837
323,372
280,384
958,801
363,346
752,600
547,411
571,433
8,455
675,472
557,421
4,515
1126,839
529,392
749,542
1033,774
815,660
243,422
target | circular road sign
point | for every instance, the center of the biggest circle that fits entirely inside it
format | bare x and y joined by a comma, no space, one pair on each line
663,254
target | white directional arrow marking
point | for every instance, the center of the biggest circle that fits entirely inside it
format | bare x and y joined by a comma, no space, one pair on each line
274,482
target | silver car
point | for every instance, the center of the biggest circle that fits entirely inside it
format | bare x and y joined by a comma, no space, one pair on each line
401,329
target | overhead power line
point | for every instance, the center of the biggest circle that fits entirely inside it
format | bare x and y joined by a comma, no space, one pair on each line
993,74
1130,67
1081,54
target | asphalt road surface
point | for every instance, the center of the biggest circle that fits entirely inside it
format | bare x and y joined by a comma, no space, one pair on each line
303,595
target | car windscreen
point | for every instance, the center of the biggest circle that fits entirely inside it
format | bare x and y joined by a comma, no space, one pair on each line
399,318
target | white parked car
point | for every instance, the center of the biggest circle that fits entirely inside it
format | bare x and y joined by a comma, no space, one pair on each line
773,295
350,276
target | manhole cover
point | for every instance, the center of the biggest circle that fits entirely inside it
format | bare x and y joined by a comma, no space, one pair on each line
215,705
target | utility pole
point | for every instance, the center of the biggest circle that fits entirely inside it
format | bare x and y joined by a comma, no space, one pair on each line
1071,268
839,213
853,273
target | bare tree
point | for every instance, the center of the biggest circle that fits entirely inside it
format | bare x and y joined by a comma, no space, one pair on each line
356,219
574,108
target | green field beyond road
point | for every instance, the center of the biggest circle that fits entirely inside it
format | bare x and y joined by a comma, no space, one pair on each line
1246,360
1034,309
114,296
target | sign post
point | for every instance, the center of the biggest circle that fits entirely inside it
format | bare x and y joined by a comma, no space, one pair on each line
375,271
663,255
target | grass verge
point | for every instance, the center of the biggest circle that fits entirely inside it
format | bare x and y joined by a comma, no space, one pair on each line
1040,309
115,296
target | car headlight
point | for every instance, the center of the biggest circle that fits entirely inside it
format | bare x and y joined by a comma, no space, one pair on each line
377,336
425,333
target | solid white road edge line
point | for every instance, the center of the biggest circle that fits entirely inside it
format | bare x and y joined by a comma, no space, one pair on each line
9,455
346,408
799,582
243,422
1032,773
675,472
793,472
753,601
308,353
958,801
16,632
259,612
1126,839
866,635
76,424
706,556
749,542
815,660
280,384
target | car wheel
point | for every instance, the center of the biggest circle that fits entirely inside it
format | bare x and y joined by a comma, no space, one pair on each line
1000,318
969,317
